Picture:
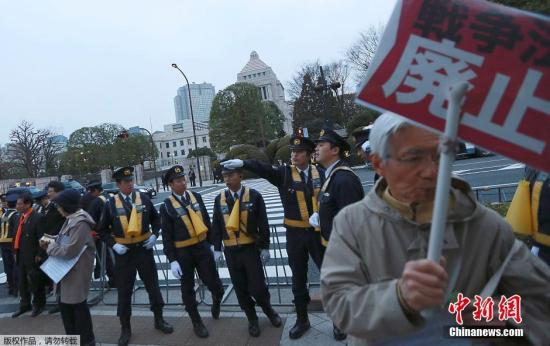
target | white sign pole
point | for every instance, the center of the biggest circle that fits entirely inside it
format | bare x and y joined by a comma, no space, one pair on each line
448,153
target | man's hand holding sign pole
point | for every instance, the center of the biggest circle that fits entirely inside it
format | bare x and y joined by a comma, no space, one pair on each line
447,153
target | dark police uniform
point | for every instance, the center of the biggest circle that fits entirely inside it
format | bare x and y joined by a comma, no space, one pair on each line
191,251
137,259
302,240
242,249
93,205
52,220
8,226
341,187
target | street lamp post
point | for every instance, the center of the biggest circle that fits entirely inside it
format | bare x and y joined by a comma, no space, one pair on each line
326,91
192,122
124,135
153,148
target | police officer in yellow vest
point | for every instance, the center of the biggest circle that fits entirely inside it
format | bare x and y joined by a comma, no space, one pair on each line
8,226
299,185
187,237
341,187
130,225
240,221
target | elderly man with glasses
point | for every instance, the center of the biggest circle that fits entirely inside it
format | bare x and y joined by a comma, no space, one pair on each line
376,282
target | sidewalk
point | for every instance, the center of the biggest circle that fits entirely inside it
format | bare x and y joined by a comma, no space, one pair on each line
230,329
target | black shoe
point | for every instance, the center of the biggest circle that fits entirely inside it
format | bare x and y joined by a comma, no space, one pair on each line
125,334
21,311
163,326
338,334
37,311
302,322
216,303
273,316
200,329
54,310
254,328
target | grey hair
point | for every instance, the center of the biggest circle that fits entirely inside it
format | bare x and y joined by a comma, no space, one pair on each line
384,127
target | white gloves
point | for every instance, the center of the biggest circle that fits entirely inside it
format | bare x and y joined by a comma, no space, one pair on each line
176,269
314,220
120,249
232,164
265,256
149,243
218,256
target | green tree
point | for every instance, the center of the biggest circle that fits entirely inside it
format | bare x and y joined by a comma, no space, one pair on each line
363,117
238,116
91,149
309,109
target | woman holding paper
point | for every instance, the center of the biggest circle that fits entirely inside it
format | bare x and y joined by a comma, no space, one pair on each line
74,241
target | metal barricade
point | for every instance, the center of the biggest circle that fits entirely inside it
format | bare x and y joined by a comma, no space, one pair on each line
278,264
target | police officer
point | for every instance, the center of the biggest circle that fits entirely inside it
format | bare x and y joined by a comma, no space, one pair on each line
187,245
130,225
362,145
93,202
8,226
341,187
245,235
299,185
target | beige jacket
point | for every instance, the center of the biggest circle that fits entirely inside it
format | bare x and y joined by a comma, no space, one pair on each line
371,242
74,235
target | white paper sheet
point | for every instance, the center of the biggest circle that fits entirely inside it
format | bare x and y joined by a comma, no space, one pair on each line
57,267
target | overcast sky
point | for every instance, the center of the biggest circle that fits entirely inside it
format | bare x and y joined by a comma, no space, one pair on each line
68,64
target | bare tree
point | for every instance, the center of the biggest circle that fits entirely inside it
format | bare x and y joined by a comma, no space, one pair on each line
361,53
27,147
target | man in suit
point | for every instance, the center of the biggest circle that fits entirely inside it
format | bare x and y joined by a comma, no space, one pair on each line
246,246
299,185
130,224
341,187
187,246
28,256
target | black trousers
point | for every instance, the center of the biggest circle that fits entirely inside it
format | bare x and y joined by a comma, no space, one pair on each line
31,281
136,260
247,276
197,257
300,245
9,266
77,321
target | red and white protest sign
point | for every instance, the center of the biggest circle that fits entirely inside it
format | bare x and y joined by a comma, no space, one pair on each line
502,53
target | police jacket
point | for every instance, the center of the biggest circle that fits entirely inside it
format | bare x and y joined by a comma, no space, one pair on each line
282,178
173,227
257,225
8,227
95,207
341,187
110,225
52,220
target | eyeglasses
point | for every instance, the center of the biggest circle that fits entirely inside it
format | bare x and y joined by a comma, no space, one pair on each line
417,158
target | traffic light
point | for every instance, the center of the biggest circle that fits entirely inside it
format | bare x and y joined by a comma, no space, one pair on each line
123,135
